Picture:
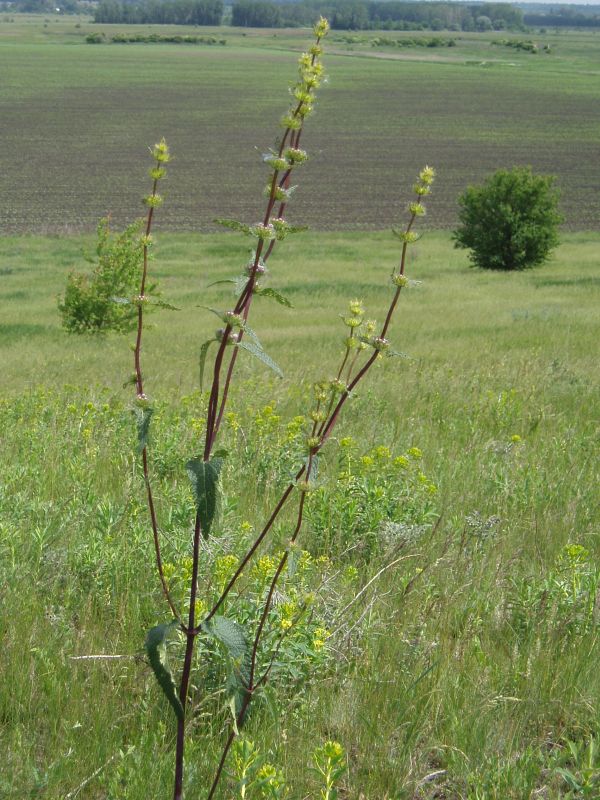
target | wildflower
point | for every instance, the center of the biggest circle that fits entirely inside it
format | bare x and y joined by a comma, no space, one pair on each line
515,438
320,637
224,568
382,452
414,452
333,750
400,280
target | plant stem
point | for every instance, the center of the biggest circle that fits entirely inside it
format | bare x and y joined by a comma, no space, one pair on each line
191,634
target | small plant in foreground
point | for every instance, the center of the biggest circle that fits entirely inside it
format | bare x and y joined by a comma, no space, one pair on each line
511,221
254,643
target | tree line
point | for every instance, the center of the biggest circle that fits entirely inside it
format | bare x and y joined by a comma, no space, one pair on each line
163,12
343,14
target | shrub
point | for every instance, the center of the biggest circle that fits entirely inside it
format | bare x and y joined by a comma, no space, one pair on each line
88,305
511,221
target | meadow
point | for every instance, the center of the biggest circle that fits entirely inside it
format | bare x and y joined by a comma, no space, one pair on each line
451,546
473,662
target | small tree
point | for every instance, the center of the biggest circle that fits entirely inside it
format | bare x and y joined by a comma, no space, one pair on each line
99,302
511,221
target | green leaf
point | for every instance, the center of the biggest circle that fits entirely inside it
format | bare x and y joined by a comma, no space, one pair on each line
143,417
233,225
232,635
296,228
155,301
257,351
204,476
228,632
225,280
313,473
292,561
221,453
274,295
202,359
156,649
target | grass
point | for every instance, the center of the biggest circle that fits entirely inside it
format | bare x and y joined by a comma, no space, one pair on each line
477,659
81,115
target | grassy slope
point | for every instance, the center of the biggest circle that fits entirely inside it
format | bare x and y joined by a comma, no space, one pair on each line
446,680
80,116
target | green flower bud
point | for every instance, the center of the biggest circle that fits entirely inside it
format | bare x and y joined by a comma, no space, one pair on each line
312,442
233,320
409,237
339,387
321,28
160,152
296,156
263,232
427,175
275,162
418,209
156,173
399,280
352,322
302,95
356,307
421,189
281,228
153,201
291,122
379,344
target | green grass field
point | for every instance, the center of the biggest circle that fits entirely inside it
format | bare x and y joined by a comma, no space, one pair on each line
77,119
476,662
451,545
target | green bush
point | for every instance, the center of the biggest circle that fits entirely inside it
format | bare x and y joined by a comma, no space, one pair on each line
511,221
88,305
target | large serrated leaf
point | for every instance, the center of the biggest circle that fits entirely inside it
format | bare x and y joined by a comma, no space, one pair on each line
156,649
204,476
231,634
274,295
233,225
257,351
143,417
228,632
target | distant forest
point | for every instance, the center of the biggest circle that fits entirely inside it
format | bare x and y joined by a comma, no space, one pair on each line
343,14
